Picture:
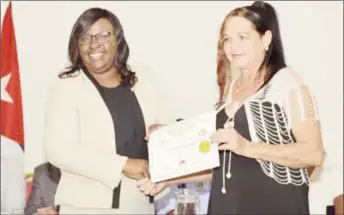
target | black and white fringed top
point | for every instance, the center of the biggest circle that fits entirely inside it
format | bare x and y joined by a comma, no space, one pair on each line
243,185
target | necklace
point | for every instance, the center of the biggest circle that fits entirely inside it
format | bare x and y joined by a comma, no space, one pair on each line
229,124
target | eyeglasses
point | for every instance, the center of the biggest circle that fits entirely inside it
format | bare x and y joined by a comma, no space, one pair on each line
100,38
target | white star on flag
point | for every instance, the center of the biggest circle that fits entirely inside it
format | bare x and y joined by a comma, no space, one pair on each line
5,96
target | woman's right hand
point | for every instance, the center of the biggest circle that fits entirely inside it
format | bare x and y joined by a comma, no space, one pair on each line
136,168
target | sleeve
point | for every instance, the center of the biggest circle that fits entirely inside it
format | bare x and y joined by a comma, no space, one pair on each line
304,121
35,200
62,147
300,106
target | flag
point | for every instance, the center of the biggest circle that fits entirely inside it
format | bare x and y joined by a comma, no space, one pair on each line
11,100
12,132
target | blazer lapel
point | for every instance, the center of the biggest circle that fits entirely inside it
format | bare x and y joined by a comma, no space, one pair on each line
96,107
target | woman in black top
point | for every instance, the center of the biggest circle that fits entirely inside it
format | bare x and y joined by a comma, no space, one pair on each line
268,130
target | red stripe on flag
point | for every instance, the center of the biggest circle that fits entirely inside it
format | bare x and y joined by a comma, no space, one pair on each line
11,100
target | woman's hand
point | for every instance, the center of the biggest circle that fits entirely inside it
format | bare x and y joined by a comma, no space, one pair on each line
136,168
230,139
150,188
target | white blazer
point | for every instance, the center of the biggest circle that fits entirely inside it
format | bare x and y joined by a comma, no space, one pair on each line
80,140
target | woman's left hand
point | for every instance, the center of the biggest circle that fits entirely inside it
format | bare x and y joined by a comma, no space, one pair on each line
149,188
230,140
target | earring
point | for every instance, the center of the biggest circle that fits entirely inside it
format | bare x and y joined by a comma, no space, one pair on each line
266,48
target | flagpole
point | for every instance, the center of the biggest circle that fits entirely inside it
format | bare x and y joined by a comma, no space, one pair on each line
10,6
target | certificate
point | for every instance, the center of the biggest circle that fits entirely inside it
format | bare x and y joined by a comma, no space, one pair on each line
183,148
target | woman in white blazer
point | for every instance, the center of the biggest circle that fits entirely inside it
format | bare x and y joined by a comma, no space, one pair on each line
96,119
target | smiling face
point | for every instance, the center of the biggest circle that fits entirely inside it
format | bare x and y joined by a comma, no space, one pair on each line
97,47
243,45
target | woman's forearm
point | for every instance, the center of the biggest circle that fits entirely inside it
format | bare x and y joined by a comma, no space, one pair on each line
192,178
294,155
